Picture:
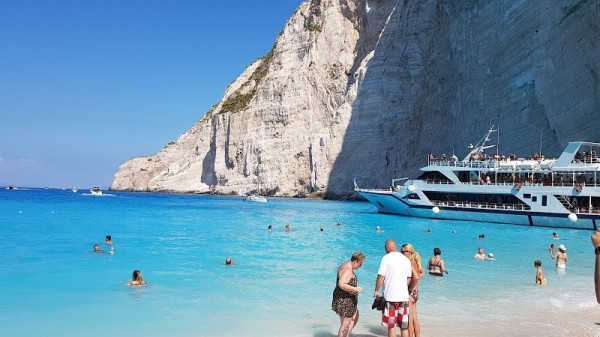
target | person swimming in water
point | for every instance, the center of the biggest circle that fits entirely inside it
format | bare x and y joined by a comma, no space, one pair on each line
136,279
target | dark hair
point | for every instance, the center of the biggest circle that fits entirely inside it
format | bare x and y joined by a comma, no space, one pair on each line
135,275
537,263
437,251
108,237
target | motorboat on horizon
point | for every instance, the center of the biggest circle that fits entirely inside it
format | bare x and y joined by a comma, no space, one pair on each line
96,191
535,191
254,197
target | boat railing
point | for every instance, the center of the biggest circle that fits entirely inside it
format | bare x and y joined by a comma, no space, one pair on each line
488,205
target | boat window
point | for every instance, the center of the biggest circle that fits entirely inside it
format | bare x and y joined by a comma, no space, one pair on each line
413,196
475,198
434,177
544,200
534,198
526,195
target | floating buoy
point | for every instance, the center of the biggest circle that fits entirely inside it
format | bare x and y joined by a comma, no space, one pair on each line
435,209
573,217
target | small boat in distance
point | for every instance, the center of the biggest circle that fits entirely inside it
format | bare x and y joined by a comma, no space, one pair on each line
10,187
96,191
254,197
74,190
533,191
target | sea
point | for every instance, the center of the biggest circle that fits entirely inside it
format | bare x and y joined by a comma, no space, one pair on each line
53,284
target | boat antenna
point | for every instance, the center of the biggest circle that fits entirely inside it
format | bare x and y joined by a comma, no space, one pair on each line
541,137
498,142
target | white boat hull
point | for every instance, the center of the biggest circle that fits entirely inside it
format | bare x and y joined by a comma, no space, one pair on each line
255,198
391,202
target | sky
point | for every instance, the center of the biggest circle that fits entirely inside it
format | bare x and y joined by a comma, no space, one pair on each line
87,85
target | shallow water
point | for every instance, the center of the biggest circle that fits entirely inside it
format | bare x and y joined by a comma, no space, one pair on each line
281,283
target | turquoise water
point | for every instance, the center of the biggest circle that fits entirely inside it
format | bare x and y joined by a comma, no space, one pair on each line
51,284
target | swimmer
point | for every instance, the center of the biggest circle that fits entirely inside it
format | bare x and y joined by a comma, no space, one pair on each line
270,228
555,236
321,229
229,261
288,228
429,230
108,240
490,257
481,236
480,254
552,249
378,229
97,249
136,279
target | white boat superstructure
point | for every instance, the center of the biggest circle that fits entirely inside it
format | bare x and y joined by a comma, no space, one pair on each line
535,191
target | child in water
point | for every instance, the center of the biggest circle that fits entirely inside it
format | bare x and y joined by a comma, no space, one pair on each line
539,276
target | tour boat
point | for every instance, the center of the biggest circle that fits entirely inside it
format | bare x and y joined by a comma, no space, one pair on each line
561,192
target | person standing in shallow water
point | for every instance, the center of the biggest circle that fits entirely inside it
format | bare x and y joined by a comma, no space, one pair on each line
539,275
436,264
345,294
414,327
394,274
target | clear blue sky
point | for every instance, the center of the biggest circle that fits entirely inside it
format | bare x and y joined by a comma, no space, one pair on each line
87,85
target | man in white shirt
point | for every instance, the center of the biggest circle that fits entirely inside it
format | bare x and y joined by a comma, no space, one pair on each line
394,275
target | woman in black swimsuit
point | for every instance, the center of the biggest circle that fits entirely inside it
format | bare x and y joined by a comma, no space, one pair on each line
436,264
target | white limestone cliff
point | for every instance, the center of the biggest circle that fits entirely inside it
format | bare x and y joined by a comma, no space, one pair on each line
365,89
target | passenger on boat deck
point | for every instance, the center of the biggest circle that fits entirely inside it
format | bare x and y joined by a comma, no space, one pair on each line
480,254
443,157
432,157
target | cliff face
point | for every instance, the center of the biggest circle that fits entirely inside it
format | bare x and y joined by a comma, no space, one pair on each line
365,89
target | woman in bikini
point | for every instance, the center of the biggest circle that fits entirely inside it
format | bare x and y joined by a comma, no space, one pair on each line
414,328
436,264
